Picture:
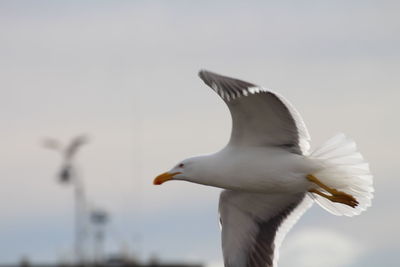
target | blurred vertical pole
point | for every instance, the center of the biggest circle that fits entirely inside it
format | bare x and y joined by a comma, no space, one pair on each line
80,219
69,174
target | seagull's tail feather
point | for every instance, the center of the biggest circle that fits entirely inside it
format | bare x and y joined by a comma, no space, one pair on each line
345,170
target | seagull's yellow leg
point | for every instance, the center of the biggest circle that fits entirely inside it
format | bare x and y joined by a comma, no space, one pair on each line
336,195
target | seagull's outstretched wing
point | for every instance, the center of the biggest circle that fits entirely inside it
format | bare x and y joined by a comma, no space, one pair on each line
253,225
259,116
75,144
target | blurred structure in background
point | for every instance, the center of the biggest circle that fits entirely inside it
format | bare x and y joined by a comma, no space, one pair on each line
89,220
69,175
98,219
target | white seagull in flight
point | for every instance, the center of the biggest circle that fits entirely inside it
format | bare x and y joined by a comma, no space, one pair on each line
268,176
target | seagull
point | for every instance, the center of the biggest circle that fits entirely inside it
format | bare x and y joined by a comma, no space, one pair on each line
268,176
68,152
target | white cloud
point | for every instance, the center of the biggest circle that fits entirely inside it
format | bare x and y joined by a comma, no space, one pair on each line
319,247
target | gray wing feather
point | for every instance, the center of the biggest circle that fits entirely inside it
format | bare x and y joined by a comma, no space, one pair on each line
253,225
259,116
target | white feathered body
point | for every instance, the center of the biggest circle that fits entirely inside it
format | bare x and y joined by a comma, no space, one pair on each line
267,170
275,170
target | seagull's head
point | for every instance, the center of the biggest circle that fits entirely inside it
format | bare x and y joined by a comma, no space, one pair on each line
191,170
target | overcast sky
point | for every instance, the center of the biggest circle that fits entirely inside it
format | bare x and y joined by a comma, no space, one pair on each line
125,73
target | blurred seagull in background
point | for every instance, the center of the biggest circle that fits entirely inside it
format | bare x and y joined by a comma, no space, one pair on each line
268,175
68,152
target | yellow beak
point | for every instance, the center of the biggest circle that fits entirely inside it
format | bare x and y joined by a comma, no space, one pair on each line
166,176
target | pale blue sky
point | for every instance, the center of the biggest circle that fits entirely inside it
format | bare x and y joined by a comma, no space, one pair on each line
125,72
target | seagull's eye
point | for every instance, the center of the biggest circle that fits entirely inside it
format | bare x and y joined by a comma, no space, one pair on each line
181,165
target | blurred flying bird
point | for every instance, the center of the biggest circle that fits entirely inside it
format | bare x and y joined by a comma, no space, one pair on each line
68,152
268,175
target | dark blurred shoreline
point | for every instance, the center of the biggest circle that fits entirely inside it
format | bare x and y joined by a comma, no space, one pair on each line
103,265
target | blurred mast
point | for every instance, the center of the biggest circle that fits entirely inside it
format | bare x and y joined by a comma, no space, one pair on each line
69,174
99,219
